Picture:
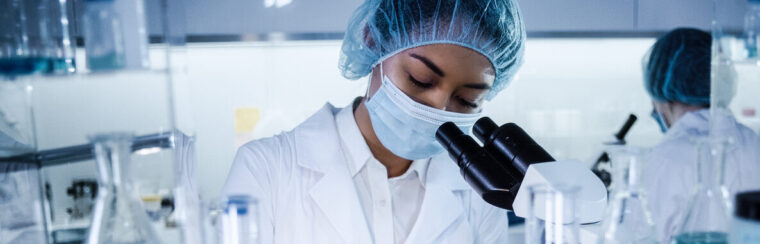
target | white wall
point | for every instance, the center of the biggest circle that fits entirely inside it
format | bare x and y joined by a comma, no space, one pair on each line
571,94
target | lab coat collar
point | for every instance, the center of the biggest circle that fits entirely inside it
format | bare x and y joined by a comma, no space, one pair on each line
358,150
352,140
336,196
441,206
697,123
692,123
334,192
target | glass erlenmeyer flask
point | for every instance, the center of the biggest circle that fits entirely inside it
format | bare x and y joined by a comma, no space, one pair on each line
628,219
708,213
118,216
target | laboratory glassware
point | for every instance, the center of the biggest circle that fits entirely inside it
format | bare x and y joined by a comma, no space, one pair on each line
118,217
103,37
35,38
752,28
232,220
628,219
707,215
553,215
735,67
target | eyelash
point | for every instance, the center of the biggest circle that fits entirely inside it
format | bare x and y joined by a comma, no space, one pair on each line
467,103
419,83
428,85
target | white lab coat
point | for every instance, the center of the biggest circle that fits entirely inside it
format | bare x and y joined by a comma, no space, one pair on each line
670,175
306,193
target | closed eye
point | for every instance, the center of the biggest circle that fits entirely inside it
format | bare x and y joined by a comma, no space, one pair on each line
419,83
467,103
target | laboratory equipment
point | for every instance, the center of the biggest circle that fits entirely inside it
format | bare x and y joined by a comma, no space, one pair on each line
133,31
21,200
752,28
103,37
547,221
232,220
707,215
35,38
21,216
118,216
83,191
735,71
601,167
628,219
16,118
510,159
746,222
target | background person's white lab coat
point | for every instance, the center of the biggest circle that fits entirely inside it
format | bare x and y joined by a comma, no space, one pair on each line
307,195
671,173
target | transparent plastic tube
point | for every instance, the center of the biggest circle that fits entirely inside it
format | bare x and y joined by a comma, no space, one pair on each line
233,220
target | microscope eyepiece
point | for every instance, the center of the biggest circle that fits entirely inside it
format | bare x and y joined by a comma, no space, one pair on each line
510,145
455,141
484,128
480,170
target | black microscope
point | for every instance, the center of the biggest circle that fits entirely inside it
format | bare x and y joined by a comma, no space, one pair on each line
510,159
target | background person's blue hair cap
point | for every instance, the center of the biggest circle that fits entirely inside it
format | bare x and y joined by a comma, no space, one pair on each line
678,67
379,29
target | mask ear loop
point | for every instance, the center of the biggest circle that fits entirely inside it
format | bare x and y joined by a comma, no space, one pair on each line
369,83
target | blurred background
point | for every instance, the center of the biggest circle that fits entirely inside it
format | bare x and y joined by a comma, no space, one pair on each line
225,72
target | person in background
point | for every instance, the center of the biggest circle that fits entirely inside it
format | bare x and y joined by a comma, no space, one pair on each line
677,77
372,172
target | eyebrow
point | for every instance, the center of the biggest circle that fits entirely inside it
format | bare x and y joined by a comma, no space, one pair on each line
429,64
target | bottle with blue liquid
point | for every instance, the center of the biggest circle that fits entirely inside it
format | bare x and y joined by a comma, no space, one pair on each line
103,36
752,28
35,38
708,214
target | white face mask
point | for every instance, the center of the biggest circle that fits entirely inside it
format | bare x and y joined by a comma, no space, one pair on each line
406,127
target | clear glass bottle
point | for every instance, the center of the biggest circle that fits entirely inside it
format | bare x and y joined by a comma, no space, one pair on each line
628,219
118,216
708,213
752,29
103,37
552,217
35,38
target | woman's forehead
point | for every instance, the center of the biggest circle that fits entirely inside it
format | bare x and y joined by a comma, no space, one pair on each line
455,59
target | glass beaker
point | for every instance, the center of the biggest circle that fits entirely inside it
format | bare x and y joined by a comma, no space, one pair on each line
118,216
708,214
233,220
628,219
552,217
35,37
735,70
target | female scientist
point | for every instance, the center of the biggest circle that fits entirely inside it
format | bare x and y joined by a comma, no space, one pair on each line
372,172
677,77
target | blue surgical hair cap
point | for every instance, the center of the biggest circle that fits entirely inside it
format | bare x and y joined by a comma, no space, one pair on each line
380,29
678,67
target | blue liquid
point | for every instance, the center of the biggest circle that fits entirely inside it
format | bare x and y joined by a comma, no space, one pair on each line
18,66
702,238
108,61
